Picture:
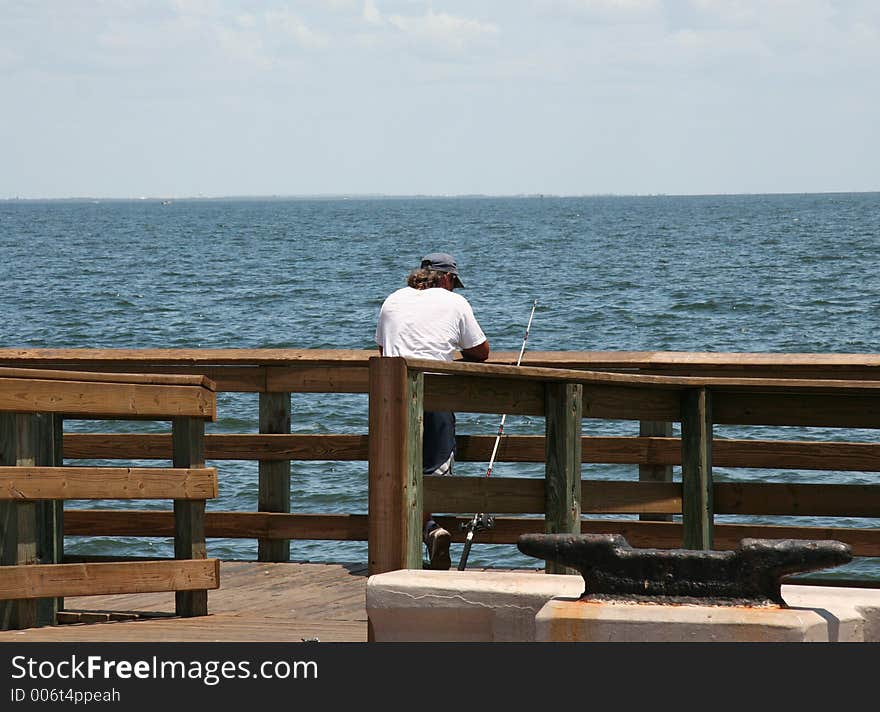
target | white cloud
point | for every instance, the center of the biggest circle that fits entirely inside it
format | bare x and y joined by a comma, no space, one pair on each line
780,37
196,7
292,26
730,12
438,30
607,10
371,13
242,44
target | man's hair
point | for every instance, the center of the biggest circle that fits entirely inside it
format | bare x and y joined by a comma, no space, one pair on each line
425,278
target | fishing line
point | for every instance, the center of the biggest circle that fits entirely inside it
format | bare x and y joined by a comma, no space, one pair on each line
480,520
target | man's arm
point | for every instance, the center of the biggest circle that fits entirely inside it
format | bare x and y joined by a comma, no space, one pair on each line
480,352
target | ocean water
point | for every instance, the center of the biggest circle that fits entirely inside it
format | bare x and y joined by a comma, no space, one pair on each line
756,273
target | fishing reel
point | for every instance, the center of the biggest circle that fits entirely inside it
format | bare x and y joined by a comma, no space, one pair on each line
479,522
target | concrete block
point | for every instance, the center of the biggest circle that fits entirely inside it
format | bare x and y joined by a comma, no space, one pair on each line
843,606
813,614
571,620
461,606
478,606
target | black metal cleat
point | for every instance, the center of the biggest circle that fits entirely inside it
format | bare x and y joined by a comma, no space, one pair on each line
748,575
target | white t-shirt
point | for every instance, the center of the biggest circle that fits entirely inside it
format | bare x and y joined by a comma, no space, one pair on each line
427,323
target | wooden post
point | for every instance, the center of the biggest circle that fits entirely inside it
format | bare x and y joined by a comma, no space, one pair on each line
49,513
655,473
274,475
58,459
395,466
696,468
188,450
18,520
563,419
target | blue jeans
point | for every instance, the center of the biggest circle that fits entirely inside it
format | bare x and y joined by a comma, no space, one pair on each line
438,454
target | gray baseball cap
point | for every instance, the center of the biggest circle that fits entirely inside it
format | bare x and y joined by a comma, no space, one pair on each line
442,262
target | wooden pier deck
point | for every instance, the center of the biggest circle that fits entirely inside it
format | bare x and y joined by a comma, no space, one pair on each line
256,602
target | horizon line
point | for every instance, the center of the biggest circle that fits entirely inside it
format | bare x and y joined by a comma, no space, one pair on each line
411,196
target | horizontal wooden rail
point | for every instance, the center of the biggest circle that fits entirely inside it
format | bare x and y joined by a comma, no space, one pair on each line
482,388
354,527
31,483
148,446
345,371
668,535
89,395
811,365
63,376
634,450
226,525
86,579
638,381
518,495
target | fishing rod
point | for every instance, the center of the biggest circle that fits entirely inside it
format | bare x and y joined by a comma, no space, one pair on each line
480,520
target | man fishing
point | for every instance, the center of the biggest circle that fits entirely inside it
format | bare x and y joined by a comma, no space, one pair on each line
426,319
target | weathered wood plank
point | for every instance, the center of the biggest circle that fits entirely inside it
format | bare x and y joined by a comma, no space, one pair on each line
562,508
776,454
797,499
200,358
395,466
741,363
841,410
238,367
52,580
643,381
614,402
521,495
18,520
696,468
239,379
526,496
274,475
562,473
413,495
668,535
634,450
197,358
652,472
137,446
195,381
33,483
475,395
95,399
188,452
49,512
228,525
318,379
624,396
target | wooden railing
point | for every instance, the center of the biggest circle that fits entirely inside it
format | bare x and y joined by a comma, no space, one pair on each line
276,373
34,483
400,389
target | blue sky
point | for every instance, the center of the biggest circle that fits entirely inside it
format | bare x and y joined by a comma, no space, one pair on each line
174,98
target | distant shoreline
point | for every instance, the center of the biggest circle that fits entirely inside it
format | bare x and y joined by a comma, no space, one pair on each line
366,196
